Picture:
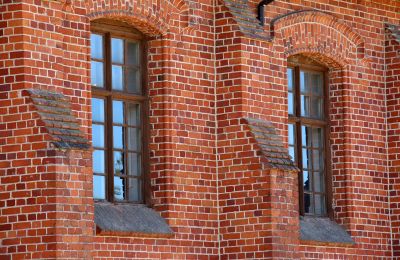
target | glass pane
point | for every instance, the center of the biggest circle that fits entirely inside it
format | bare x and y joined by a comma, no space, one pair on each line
317,138
290,103
98,161
306,158
99,187
119,168
117,50
118,112
134,161
305,83
133,114
119,188
117,77
96,44
306,181
317,160
292,153
97,74
306,136
305,106
319,204
290,79
133,53
319,182
316,107
98,135
118,137
291,134
308,201
135,190
134,139
97,110
133,78
317,84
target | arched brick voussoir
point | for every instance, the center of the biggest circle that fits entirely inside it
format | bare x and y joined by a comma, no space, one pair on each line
143,15
318,32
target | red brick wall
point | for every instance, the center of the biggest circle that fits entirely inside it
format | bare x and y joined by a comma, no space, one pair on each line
208,179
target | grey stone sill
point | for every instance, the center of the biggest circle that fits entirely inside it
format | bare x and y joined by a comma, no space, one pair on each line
323,231
129,220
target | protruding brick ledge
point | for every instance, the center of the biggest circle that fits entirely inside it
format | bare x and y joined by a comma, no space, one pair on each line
55,114
271,146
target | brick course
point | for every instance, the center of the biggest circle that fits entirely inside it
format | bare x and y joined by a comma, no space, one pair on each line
209,68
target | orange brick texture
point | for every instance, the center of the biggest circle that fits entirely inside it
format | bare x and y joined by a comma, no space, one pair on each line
207,72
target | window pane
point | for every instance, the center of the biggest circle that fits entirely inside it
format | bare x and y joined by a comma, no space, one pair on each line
134,161
117,77
117,50
97,74
292,153
119,168
118,112
98,135
291,134
317,160
135,190
318,88
290,79
316,107
98,110
306,135
290,103
134,139
134,83
317,135
319,182
119,188
133,114
306,158
118,137
305,83
305,106
320,205
306,181
133,53
99,187
308,201
96,44
98,161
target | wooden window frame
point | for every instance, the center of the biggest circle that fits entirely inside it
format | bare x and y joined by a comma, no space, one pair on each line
110,29
297,120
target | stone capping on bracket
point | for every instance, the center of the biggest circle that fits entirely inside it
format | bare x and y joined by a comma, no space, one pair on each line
129,220
274,153
57,119
394,30
246,19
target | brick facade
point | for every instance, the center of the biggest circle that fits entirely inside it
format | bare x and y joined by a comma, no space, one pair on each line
211,68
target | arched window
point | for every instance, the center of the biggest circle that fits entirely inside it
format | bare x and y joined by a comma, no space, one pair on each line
118,113
309,134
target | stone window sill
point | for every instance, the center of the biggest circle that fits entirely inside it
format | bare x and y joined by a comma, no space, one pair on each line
129,220
323,231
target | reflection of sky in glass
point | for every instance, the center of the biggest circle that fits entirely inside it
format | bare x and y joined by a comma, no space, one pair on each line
306,181
97,74
290,103
117,77
99,186
96,46
118,137
98,135
118,112
97,110
118,163
98,161
117,51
